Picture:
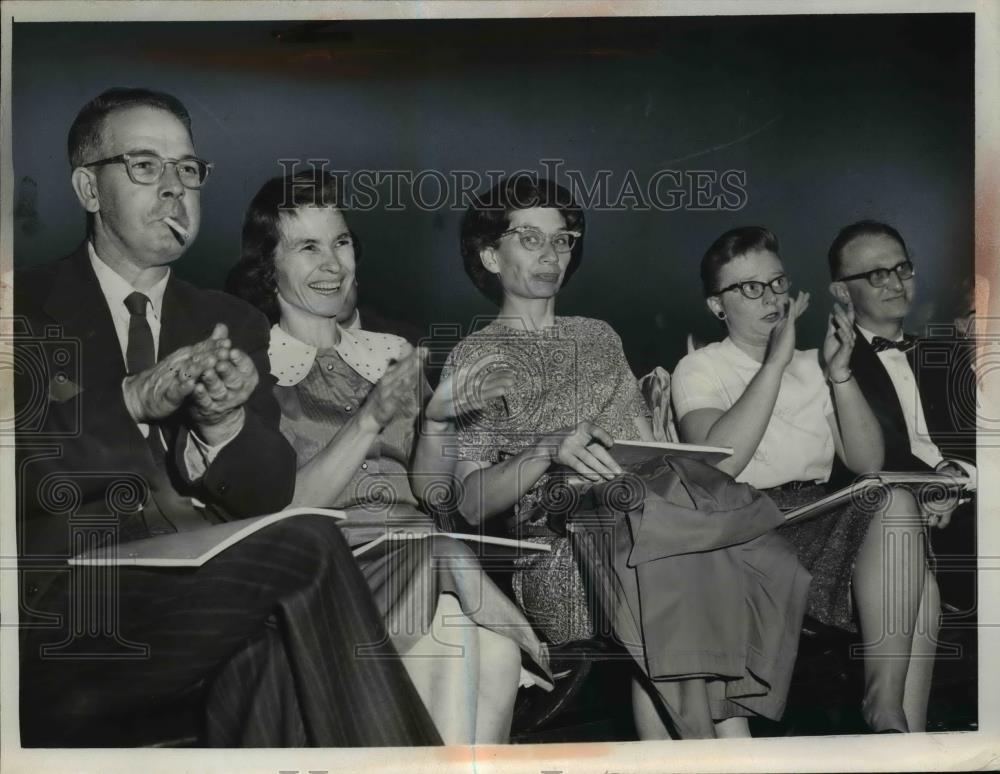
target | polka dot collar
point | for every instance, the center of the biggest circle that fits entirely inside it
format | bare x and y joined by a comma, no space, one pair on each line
366,352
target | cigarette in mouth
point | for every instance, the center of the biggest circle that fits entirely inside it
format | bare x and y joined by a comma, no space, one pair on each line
178,229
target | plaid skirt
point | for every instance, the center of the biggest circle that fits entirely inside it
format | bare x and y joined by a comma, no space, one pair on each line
406,577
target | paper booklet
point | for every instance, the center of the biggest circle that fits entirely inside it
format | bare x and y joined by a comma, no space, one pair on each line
194,548
632,452
937,483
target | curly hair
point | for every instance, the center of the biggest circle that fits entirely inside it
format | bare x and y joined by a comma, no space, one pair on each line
253,277
489,216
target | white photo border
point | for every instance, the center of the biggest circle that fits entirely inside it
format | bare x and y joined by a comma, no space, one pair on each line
947,751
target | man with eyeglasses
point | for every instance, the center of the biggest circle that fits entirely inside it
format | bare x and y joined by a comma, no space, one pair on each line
871,269
158,418
914,394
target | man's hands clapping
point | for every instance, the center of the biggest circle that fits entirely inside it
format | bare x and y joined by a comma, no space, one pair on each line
211,378
222,389
839,343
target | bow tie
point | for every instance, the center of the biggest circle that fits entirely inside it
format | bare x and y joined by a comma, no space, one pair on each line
880,344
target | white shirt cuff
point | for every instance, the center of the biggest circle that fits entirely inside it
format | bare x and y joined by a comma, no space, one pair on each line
198,455
970,471
967,467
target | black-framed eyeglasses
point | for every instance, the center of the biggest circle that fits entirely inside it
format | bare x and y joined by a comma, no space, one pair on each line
754,289
878,278
534,239
148,168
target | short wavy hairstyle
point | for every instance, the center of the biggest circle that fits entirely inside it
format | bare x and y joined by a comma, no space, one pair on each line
489,216
253,277
733,244
85,134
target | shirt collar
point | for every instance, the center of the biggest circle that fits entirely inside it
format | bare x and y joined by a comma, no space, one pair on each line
354,323
116,289
869,335
367,353
736,353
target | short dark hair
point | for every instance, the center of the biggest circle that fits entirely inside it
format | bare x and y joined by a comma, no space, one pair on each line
732,244
489,216
849,233
85,133
253,277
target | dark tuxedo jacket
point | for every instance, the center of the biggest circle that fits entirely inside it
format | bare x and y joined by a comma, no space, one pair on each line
943,374
78,450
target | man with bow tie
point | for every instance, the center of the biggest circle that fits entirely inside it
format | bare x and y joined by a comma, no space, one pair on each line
921,391
923,428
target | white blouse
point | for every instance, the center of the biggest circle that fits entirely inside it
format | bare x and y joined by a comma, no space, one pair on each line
797,444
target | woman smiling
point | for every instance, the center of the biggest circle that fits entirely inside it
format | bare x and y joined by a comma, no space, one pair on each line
351,408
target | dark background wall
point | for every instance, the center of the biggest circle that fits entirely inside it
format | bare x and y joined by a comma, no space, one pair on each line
831,118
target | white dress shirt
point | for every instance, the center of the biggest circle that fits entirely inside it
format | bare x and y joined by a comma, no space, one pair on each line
905,384
903,381
198,455
116,289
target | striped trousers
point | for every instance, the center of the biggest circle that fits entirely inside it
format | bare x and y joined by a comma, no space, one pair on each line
280,630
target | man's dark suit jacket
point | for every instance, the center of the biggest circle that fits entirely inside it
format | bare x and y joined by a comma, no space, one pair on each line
229,639
943,374
79,451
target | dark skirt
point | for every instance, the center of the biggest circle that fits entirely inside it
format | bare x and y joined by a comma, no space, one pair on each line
691,579
827,545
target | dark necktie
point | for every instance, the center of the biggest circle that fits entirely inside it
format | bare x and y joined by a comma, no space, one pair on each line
166,510
881,345
139,354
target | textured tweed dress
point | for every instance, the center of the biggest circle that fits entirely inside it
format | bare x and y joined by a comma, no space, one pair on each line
727,613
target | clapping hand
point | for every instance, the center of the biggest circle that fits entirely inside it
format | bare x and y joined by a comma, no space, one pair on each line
223,387
839,343
212,378
395,394
159,391
781,344
469,388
